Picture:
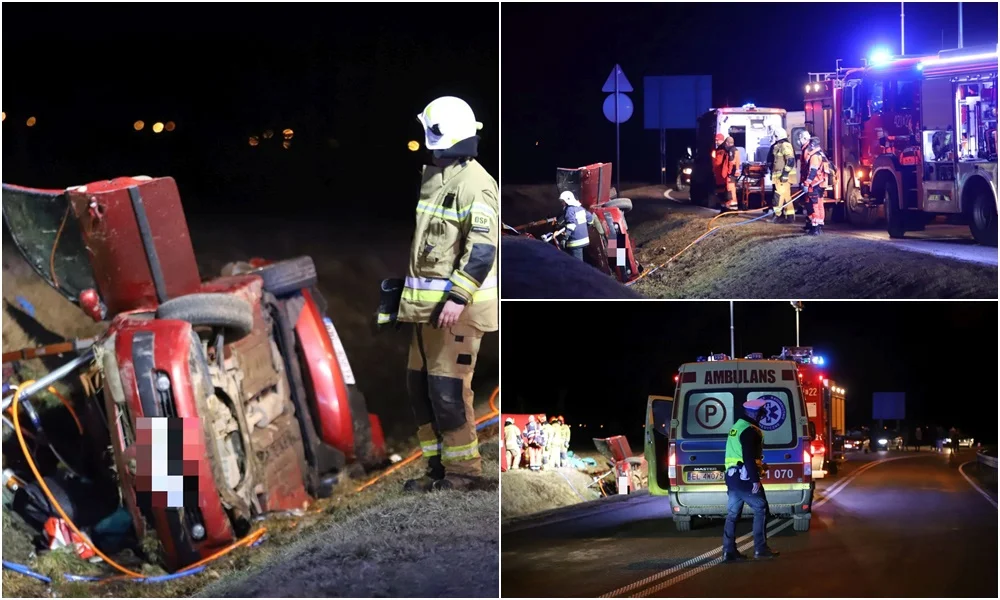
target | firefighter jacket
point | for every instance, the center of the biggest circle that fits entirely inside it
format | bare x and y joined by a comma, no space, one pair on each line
547,435
818,168
533,433
720,164
565,436
783,162
454,249
511,437
576,219
745,447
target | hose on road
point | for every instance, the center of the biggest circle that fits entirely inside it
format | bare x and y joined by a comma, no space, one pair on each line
710,231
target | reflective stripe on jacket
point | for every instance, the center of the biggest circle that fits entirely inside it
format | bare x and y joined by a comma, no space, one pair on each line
454,249
743,450
576,219
784,160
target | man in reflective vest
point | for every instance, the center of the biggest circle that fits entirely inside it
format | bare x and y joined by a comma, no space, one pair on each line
548,436
533,434
564,451
556,445
575,219
814,180
450,295
744,467
512,443
782,165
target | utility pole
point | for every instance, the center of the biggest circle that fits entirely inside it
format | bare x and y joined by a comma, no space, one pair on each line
732,332
960,44
902,29
797,305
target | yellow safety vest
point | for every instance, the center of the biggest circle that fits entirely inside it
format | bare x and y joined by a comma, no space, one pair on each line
734,450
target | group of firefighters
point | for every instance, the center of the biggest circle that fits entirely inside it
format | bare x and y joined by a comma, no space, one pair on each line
547,442
813,168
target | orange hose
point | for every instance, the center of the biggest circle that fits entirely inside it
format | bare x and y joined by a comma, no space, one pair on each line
62,513
69,407
494,411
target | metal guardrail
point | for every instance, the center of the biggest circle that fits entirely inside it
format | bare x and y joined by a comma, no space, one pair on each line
983,459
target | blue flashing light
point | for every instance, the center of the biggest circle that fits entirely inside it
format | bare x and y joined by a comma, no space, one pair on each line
920,67
879,56
818,360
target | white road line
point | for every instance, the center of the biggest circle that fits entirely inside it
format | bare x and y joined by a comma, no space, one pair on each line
741,542
666,194
973,484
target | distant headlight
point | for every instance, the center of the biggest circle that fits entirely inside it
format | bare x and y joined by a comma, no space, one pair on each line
883,442
687,171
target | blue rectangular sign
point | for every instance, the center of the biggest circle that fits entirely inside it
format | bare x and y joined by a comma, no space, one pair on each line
889,405
675,102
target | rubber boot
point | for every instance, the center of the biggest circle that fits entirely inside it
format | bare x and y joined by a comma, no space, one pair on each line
465,483
434,473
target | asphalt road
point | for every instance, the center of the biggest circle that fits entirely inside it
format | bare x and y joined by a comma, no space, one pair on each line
910,526
945,241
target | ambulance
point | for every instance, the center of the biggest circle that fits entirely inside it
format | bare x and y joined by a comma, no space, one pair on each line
686,455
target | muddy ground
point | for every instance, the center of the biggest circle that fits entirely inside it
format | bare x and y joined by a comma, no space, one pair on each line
363,539
756,260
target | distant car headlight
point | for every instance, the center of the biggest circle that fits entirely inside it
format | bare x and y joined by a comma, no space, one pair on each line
687,171
883,442
947,440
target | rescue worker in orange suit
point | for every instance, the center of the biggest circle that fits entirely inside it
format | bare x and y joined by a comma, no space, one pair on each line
782,164
814,179
727,171
450,296
575,219
744,469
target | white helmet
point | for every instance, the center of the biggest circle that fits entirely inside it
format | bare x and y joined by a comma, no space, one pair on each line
447,121
780,133
569,198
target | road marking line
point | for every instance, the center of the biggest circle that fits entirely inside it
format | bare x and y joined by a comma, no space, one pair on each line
973,484
740,541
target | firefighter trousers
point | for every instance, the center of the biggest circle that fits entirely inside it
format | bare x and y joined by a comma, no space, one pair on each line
782,196
815,209
439,382
513,459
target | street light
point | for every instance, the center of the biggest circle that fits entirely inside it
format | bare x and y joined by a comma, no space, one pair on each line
797,305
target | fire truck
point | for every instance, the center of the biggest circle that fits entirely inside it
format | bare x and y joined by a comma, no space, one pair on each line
913,138
752,131
824,401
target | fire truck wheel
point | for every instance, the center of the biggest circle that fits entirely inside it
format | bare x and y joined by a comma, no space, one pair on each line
623,203
894,215
234,315
858,213
682,524
288,276
984,219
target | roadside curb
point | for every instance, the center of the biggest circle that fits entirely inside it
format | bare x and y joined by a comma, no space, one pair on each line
569,513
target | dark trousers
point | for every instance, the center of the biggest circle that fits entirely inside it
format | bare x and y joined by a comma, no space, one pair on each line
739,494
575,252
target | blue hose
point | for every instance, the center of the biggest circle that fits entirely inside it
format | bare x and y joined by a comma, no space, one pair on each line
25,571
156,579
485,424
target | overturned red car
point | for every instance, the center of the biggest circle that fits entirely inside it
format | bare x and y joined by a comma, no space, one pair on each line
225,398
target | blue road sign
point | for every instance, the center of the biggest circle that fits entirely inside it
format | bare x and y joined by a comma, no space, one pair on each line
622,84
625,108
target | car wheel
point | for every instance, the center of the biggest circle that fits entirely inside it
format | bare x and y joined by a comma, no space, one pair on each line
625,204
233,315
288,276
682,524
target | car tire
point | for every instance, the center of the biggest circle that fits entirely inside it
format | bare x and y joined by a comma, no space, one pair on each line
288,276
799,524
364,446
233,315
682,525
625,204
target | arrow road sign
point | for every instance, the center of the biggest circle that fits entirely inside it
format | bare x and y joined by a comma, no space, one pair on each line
622,84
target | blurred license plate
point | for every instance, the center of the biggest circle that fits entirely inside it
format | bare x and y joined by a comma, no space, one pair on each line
705,476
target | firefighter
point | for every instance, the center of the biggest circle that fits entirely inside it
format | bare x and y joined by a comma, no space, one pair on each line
450,295
512,443
727,172
555,446
782,166
575,219
744,467
814,179
547,435
564,451
533,435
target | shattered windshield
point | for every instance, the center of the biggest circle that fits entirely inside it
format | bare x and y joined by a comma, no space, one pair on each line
33,219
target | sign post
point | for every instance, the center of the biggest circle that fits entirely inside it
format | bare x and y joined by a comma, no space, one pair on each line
617,109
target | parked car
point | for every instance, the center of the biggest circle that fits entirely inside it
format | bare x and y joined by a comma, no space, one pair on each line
886,440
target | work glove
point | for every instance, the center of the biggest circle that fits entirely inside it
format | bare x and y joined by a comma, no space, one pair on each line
390,294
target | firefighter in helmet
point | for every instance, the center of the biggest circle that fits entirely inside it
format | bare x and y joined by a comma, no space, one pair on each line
564,451
513,444
727,172
533,435
575,219
782,166
554,447
814,181
450,295
547,439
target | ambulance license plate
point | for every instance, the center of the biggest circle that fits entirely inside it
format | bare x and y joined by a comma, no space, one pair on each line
712,475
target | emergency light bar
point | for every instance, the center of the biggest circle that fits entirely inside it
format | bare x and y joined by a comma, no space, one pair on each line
956,59
754,356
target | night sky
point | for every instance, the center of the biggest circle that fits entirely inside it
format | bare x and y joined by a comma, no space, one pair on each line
556,57
596,362
348,79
